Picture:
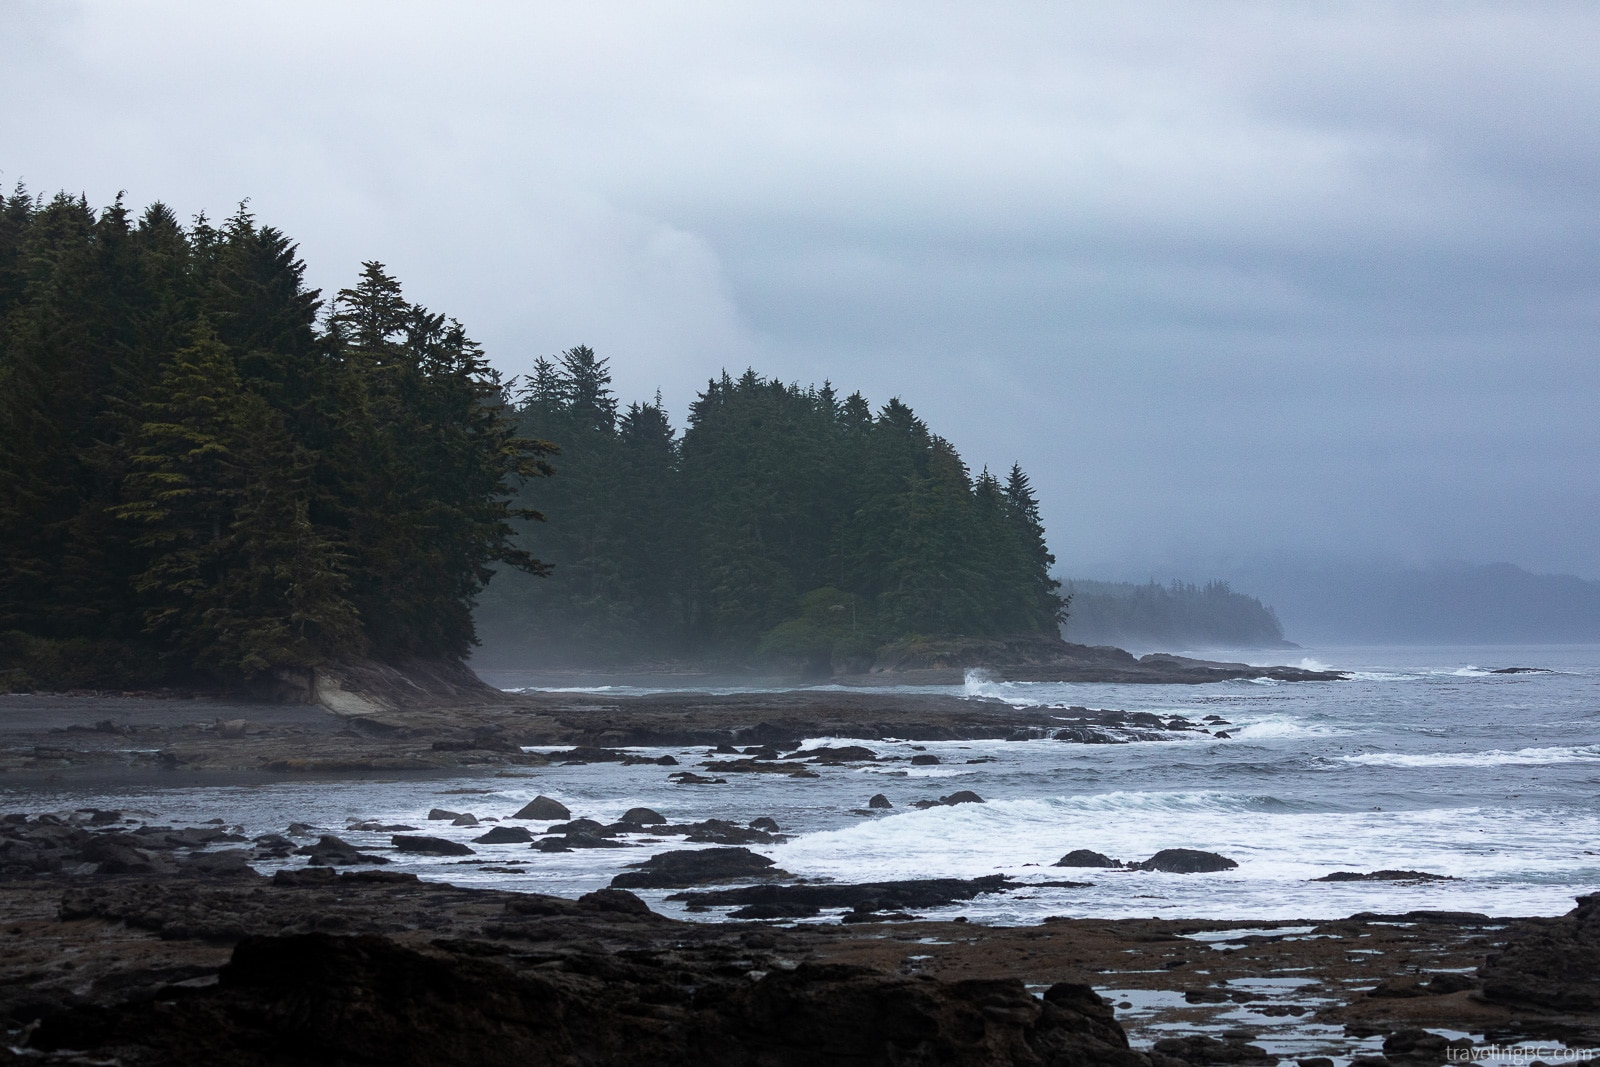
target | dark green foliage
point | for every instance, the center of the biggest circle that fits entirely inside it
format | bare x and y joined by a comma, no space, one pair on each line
191,469
786,523
1172,617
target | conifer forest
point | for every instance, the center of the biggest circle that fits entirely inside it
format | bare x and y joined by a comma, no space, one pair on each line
210,471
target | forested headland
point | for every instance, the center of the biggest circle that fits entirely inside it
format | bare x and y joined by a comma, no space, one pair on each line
786,526
1181,615
209,473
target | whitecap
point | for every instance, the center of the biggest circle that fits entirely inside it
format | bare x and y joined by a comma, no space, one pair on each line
1492,758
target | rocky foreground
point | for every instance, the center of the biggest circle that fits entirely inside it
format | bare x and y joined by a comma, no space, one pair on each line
137,944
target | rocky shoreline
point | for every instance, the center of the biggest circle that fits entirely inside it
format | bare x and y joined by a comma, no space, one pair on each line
129,943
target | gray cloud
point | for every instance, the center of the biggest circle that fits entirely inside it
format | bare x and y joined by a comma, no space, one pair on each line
1230,280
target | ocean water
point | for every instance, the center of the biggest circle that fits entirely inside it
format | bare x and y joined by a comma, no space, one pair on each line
1423,760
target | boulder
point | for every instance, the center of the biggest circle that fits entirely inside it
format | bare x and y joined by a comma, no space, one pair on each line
616,901
1082,857
926,759
961,796
231,862
464,819
1185,861
331,851
429,846
542,809
766,823
642,817
692,867
504,835
879,801
441,815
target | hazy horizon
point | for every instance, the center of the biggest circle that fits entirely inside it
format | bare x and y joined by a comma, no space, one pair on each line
1234,283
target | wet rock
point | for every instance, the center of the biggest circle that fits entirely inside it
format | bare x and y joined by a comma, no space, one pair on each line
1185,861
1417,1045
770,825
464,819
692,867
840,754
642,817
542,809
442,815
372,826
925,759
691,778
1082,857
331,851
879,801
317,998
1200,1049
960,796
865,897
1522,670
1383,876
1553,964
227,863
504,835
430,846
618,901
300,829
577,839
581,826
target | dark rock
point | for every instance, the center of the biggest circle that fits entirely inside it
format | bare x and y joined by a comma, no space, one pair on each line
925,759
1414,1044
580,826
300,829
1553,964
375,827
691,778
879,801
464,819
961,796
542,809
227,863
1522,670
770,825
615,900
1185,861
642,817
440,814
1207,1050
843,754
865,897
305,876
692,867
331,851
1082,857
1384,876
504,835
430,846
316,998
576,839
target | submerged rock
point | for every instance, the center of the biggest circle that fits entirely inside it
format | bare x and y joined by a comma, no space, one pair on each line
1383,876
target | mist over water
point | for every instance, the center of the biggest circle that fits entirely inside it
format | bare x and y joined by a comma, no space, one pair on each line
1422,761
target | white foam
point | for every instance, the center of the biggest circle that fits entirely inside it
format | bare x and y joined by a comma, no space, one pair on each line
1491,758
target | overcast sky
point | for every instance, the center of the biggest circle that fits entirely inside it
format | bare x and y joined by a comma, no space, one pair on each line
1232,281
